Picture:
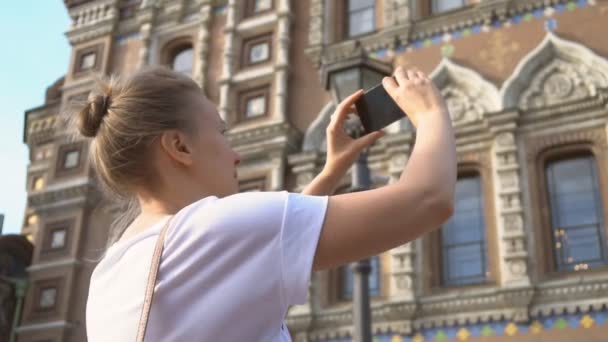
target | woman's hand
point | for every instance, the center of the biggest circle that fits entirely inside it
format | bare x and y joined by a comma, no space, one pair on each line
415,94
342,150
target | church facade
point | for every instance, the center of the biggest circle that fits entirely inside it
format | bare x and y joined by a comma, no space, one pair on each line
525,256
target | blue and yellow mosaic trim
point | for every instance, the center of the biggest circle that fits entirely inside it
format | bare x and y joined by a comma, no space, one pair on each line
509,329
550,14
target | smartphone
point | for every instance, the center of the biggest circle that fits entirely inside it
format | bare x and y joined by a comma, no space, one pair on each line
377,109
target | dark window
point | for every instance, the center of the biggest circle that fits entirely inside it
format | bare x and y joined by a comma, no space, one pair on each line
253,103
463,243
69,159
128,8
57,236
182,60
347,279
257,50
360,17
446,5
577,223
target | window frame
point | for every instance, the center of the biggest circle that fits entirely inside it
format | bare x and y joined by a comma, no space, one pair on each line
174,48
433,11
479,163
49,252
248,9
60,170
346,13
39,287
97,49
250,42
469,173
540,199
245,95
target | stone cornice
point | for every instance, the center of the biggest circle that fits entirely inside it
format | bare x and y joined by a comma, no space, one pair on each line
259,140
73,192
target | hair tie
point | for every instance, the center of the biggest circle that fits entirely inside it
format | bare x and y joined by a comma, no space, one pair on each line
105,104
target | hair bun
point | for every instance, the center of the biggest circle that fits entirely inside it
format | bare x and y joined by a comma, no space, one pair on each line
91,116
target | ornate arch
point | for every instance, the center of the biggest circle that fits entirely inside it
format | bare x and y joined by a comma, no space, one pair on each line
467,94
557,71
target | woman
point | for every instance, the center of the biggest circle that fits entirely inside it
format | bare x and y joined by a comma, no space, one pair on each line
233,263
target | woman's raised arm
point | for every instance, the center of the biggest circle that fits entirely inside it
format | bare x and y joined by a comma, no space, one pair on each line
362,224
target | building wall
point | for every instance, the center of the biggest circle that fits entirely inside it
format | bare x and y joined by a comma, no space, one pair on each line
493,61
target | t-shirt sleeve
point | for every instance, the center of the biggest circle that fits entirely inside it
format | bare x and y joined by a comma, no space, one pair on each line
302,223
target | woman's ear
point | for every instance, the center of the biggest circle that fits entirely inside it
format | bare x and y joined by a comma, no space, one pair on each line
176,145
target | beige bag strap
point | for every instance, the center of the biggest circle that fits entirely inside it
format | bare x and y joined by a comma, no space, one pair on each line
158,250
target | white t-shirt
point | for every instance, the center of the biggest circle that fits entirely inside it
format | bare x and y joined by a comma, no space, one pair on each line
230,269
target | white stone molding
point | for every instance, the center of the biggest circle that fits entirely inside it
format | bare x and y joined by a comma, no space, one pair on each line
257,24
513,253
253,74
555,72
467,94
93,13
282,59
315,30
396,12
228,65
202,44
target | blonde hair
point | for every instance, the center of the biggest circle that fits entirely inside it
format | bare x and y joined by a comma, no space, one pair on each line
124,116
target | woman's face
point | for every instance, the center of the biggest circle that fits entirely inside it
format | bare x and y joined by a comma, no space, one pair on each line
214,161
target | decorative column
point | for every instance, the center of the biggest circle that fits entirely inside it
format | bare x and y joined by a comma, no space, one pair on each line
282,60
403,257
202,42
146,17
228,66
278,172
316,30
511,235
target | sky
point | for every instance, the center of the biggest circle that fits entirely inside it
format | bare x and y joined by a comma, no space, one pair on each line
34,54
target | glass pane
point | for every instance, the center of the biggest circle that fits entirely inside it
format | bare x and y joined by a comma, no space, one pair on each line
47,297
183,62
262,5
345,82
576,213
71,159
256,107
38,183
371,78
467,223
259,53
58,239
582,244
446,5
359,4
464,264
360,22
88,61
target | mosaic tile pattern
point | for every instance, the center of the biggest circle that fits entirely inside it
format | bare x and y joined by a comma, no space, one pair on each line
549,14
510,329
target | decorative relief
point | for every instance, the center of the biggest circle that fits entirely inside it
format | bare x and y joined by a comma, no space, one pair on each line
468,96
315,31
555,72
560,82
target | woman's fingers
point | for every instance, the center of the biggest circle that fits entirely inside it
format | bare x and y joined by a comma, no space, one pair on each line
390,85
368,139
401,76
344,108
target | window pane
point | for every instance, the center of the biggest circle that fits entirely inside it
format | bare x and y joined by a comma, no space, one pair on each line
71,159
463,236
259,53
256,107
446,5
359,4
262,5
88,61
576,214
58,239
47,298
360,22
464,265
183,62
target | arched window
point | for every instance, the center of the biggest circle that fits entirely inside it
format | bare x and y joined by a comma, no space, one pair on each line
463,238
576,215
182,61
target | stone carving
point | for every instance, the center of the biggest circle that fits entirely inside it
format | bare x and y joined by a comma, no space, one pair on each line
315,32
468,96
555,72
